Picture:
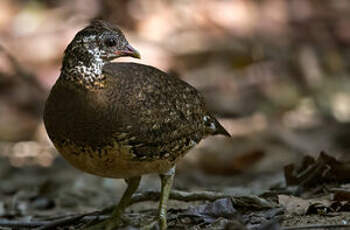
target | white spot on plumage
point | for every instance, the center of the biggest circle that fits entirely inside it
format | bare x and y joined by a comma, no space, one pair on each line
209,122
90,38
192,143
212,126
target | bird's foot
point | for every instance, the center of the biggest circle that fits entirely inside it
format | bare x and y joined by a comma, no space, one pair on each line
157,224
151,226
108,224
162,222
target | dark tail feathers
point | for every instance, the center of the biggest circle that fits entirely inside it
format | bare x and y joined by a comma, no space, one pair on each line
220,130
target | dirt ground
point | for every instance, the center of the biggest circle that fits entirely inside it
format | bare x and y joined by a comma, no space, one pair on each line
258,198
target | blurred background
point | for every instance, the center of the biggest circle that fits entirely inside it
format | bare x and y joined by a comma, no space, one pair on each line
275,73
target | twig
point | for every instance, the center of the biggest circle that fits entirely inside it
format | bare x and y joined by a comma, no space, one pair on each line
42,225
240,201
14,224
253,202
174,195
317,226
178,195
65,221
53,218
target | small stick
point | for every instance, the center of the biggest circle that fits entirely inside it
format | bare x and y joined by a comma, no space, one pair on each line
197,196
15,224
241,201
317,226
174,195
65,221
178,195
42,225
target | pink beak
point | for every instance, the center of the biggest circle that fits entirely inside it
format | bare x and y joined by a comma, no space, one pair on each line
128,51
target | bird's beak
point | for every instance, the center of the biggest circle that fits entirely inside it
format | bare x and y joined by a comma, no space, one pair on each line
128,51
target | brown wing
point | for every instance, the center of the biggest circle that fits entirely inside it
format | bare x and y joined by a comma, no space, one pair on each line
156,114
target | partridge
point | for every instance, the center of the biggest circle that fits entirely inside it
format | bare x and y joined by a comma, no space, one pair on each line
123,120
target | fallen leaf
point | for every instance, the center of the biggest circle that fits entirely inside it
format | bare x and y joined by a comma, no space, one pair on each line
312,172
211,211
294,205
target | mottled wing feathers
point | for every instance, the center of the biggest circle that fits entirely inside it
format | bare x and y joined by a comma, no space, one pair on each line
159,115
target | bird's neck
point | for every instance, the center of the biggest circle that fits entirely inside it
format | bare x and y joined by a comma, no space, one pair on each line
83,67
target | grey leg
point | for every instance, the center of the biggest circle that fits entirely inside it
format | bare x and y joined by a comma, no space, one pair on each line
115,220
166,183
133,184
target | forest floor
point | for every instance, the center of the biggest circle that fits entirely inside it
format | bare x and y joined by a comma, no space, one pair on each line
61,197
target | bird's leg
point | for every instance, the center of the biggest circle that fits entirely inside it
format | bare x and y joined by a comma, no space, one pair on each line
166,183
133,184
115,219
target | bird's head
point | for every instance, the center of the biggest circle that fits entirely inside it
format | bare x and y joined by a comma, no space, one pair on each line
93,47
102,41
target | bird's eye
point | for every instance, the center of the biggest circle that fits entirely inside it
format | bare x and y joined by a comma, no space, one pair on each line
110,42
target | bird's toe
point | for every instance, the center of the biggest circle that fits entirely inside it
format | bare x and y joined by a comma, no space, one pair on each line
109,224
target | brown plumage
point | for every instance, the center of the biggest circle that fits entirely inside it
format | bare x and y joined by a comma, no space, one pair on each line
121,120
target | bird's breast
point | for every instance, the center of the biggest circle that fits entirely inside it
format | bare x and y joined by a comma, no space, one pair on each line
114,160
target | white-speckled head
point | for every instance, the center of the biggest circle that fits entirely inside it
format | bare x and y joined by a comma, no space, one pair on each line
94,46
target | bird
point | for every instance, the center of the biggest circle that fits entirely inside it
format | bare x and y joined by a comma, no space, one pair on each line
123,119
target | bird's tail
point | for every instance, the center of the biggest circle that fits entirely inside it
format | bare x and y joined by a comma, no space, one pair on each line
220,130
213,127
